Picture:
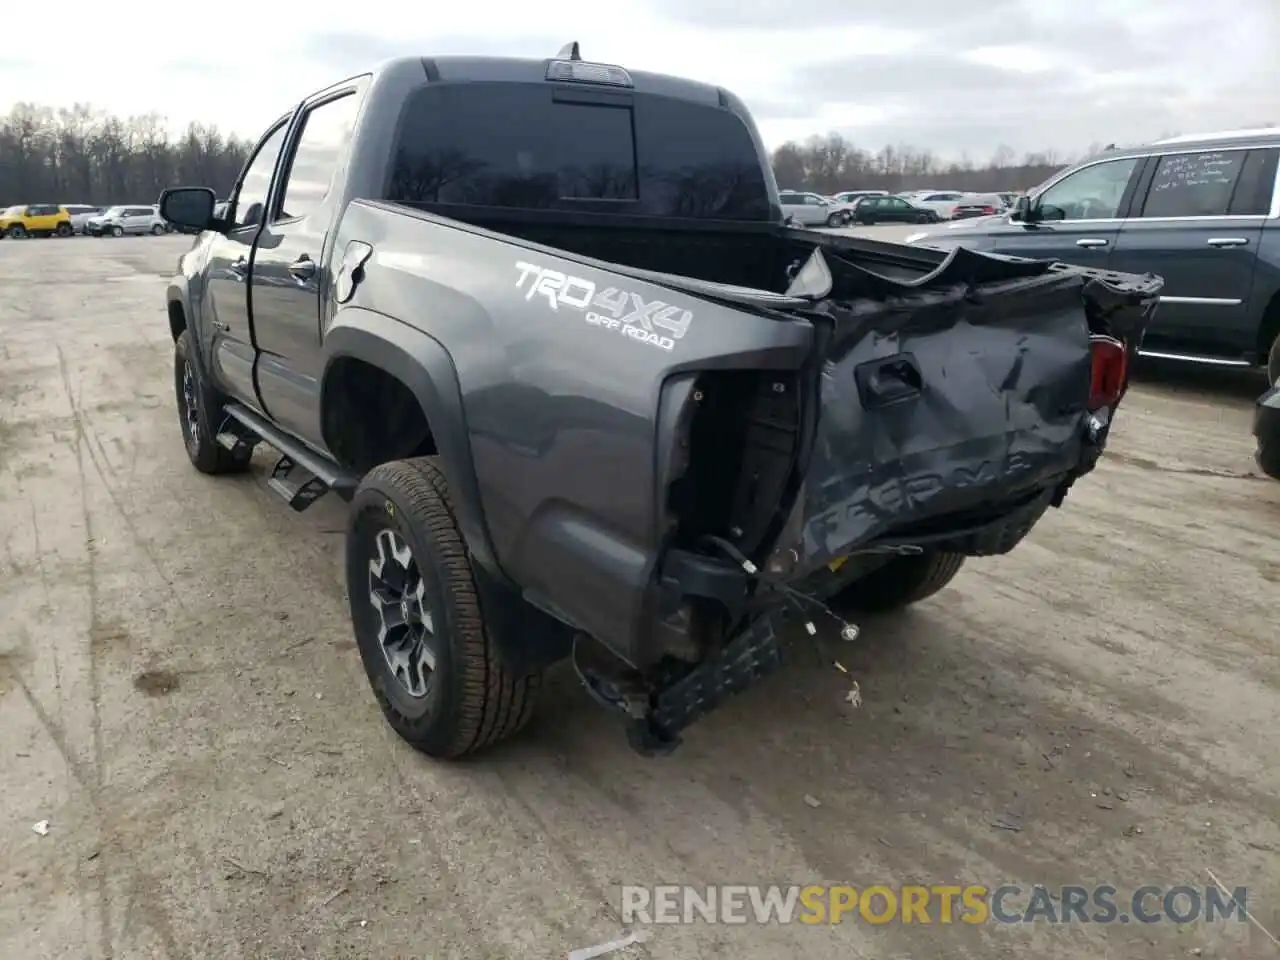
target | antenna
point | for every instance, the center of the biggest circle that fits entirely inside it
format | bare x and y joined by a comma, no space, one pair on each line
569,51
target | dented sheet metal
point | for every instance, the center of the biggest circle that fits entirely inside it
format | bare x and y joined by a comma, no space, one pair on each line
943,395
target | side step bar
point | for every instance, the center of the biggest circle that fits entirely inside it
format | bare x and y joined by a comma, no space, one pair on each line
301,476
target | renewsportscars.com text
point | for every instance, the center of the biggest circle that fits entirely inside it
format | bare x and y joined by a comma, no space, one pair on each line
934,904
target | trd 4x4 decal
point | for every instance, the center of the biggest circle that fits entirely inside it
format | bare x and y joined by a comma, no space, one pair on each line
653,322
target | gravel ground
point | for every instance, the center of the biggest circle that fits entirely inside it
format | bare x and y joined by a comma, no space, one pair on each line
181,700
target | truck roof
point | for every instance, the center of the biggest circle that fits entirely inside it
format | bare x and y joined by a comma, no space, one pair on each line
454,68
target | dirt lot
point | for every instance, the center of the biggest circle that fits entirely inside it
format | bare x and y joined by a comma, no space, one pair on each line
180,698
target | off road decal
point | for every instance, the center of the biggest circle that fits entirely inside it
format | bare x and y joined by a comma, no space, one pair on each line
654,322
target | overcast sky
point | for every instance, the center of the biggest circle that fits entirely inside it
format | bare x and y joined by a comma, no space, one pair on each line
1032,74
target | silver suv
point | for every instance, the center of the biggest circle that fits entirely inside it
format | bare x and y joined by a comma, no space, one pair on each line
119,221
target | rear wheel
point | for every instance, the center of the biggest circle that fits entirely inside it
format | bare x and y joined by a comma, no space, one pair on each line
429,657
1273,362
899,583
63,230
200,413
924,218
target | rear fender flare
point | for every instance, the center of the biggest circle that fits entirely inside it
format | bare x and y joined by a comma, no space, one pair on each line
423,365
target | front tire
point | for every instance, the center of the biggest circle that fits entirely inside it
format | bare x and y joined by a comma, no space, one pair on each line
836,220
899,583
18,232
1273,362
431,662
117,231
200,413
157,230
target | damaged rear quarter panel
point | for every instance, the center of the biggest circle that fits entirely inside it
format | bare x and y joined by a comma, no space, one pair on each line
561,402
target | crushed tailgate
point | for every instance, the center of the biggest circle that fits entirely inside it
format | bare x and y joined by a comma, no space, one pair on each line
948,401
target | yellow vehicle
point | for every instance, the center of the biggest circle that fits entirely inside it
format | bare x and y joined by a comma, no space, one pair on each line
35,220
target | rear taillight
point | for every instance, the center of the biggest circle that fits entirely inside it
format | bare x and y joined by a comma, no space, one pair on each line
987,211
1108,372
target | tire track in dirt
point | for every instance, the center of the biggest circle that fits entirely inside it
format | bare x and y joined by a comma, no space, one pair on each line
98,631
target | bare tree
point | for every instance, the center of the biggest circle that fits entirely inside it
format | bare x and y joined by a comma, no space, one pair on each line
82,155
828,164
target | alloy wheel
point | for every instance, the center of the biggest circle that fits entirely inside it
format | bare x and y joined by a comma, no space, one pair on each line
191,406
406,623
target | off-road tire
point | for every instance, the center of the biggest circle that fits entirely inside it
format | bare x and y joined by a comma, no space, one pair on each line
204,451
474,700
899,583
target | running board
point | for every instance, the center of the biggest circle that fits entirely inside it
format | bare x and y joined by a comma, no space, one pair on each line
1194,358
301,476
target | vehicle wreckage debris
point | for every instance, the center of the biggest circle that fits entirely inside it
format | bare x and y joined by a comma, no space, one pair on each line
612,946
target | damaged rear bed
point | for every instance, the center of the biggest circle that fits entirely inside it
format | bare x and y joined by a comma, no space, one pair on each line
950,399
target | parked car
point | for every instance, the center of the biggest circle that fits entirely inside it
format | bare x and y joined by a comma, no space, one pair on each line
1201,211
979,205
35,220
638,441
1266,431
122,220
853,196
80,214
943,203
872,210
811,209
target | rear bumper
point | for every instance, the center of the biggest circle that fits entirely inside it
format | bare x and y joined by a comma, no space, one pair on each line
1266,432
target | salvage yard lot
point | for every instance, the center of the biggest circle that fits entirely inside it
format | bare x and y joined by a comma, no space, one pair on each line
181,699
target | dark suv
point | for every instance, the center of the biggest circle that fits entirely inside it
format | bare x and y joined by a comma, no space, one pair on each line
1201,211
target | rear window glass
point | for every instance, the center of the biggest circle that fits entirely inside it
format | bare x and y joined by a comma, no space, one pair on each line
652,156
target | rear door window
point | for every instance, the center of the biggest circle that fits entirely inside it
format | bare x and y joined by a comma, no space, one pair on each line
1194,184
574,150
326,132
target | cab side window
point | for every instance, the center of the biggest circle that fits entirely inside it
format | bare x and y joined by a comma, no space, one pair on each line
1094,193
326,132
251,200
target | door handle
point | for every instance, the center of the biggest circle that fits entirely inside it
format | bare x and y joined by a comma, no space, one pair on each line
1091,242
302,269
1227,241
218,324
238,267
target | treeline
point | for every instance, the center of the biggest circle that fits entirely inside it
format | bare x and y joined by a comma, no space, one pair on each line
84,155
831,163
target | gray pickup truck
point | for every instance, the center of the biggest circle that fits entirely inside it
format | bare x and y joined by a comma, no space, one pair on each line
591,399
1203,211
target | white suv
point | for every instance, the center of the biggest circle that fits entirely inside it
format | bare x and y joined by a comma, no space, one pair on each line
81,213
118,221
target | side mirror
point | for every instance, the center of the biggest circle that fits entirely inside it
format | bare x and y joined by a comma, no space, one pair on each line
1020,208
190,207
